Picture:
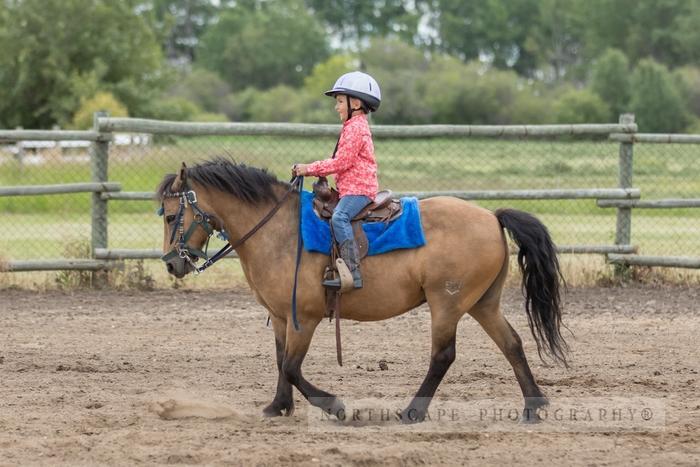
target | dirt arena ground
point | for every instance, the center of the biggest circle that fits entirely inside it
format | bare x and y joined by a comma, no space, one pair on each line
176,377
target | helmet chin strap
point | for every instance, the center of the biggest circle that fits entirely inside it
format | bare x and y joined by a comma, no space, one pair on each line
350,109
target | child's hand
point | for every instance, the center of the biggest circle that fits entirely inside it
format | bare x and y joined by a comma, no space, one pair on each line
299,169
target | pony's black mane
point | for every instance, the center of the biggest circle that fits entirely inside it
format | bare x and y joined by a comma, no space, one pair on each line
248,184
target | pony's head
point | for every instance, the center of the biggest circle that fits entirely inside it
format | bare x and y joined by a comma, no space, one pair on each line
187,224
196,201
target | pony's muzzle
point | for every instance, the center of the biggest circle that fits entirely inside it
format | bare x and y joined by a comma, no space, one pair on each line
178,267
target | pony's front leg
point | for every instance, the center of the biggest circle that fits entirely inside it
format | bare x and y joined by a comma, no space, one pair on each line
297,345
283,403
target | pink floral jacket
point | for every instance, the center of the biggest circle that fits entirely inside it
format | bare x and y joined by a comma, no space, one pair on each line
354,165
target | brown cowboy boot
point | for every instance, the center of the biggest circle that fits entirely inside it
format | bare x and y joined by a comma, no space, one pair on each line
351,255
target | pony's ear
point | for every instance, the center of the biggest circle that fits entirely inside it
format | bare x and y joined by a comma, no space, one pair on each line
180,180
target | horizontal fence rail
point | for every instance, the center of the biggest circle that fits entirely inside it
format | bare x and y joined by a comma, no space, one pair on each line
650,204
665,261
12,136
125,253
388,131
58,265
592,193
588,193
34,190
655,138
129,195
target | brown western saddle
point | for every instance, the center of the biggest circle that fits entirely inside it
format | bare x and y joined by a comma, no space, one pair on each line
383,209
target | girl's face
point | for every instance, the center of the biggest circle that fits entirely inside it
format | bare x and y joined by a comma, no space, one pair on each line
341,105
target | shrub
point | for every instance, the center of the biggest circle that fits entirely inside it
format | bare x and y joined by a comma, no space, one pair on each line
100,102
580,106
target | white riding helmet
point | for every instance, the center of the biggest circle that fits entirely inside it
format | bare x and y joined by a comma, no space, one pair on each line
360,85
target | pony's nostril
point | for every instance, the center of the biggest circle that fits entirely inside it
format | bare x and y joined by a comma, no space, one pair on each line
170,268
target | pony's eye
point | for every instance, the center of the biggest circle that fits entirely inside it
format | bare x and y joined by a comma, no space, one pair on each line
170,219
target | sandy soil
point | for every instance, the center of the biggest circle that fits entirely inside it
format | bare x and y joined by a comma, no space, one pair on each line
175,377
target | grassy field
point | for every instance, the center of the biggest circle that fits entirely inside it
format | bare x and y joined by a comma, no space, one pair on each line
49,226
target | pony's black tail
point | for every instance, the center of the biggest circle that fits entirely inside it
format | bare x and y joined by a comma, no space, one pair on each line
539,265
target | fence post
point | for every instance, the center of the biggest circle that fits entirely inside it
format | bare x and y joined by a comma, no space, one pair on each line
99,158
19,156
623,232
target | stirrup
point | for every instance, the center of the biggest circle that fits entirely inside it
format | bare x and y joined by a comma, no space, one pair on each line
335,283
345,279
331,283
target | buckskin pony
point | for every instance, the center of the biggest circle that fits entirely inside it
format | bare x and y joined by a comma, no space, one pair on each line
460,270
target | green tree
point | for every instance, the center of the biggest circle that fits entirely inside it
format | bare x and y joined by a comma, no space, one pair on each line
666,30
556,37
493,29
656,102
355,21
398,68
61,52
183,22
688,82
279,104
202,87
264,46
468,93
611,81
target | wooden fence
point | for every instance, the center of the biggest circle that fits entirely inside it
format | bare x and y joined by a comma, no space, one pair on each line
624,198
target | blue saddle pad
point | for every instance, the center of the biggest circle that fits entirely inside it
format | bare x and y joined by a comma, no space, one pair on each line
404,232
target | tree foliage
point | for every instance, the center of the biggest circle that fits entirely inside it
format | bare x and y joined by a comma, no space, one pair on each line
665,30
63,52
655,101
204,88
356,21
688,83
265,46
611,81
182,23
437,61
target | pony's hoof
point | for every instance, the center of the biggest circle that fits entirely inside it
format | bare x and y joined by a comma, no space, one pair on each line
278,410
336,408
330,405
530,417
412,415
532,406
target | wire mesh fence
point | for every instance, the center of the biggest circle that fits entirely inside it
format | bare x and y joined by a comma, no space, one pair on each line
667,171
59,226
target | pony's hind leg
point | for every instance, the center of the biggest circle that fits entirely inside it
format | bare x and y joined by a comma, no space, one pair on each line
443,335
489,316
296,346
283,403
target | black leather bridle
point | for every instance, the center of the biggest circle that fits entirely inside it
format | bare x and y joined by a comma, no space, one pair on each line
203,219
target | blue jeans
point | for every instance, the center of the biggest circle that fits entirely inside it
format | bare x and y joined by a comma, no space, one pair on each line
348,207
